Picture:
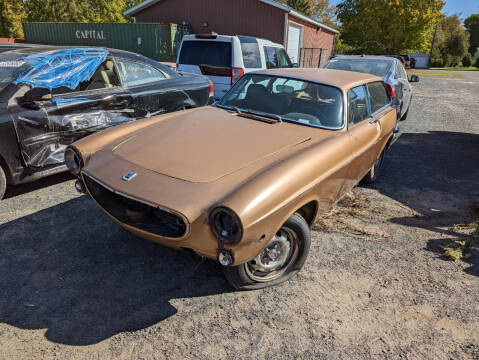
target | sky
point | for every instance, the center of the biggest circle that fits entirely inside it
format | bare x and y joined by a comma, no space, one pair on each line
464,7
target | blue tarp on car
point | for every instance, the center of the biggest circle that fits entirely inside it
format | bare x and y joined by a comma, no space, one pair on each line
58,68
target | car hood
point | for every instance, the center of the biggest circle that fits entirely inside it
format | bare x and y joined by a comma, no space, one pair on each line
206,144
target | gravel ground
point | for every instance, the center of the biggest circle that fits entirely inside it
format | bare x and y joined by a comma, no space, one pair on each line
74,285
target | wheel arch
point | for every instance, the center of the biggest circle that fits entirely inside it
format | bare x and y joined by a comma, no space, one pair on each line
6,169
308,211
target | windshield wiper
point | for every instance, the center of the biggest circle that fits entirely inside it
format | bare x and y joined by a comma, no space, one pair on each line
228,107
265,115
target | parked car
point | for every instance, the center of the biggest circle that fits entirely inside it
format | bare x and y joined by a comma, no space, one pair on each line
389,69
40,114
225,59
243,181
413,63
407,61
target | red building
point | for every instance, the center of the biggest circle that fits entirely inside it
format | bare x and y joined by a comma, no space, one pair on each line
307,41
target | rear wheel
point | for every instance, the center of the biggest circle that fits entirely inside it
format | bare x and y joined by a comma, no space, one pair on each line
3,183
372,174
404,117
282,258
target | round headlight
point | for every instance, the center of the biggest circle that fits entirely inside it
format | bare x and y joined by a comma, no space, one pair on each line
73,160
226,226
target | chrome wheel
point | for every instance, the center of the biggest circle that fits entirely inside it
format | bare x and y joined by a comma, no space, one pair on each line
276,258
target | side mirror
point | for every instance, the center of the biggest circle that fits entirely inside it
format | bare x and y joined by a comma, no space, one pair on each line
295,65
414,78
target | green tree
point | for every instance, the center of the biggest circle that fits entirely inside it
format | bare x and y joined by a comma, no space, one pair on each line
102,11
472,26
450,41
388,26
12,14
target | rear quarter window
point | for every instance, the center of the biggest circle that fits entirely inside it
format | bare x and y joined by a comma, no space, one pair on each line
250,51
378,96
214,53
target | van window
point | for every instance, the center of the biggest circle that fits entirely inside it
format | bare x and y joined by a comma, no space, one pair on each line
214,53
250,50
377,95
276,58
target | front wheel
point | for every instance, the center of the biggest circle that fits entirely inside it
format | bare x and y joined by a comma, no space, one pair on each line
282,258
3,183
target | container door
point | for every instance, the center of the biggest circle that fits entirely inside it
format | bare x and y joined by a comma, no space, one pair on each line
211,58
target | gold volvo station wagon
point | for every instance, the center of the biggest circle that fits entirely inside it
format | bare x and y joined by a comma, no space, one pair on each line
242,181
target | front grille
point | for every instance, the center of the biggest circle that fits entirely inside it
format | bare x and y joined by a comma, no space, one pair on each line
135,213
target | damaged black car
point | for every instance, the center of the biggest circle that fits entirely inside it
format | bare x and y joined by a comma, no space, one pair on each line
52,96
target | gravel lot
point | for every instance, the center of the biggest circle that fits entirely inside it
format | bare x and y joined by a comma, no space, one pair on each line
74,285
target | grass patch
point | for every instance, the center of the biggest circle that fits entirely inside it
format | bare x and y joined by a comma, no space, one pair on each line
431,73
350,217
458,68
469,242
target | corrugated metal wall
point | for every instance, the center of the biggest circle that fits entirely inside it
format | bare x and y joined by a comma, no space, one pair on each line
228,17
157,41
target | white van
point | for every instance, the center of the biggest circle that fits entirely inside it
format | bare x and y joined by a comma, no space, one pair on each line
225,59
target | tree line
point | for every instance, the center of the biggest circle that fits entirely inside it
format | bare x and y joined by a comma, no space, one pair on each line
15,12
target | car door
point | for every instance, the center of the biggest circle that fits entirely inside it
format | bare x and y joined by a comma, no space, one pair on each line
153,91
370,120
48,121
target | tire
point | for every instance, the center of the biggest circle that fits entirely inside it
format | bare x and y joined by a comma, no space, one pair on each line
248,277
3,183
404,117
372,174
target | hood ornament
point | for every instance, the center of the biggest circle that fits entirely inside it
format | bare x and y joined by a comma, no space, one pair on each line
129,176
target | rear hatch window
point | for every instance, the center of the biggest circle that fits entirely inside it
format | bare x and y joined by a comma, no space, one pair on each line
213,53
11,67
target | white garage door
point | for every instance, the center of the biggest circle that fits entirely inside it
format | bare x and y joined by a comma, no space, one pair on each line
294,41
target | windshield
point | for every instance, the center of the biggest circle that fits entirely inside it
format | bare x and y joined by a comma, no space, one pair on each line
376,67
11,67
287,99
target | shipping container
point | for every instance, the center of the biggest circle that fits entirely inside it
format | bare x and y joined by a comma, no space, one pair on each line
157,41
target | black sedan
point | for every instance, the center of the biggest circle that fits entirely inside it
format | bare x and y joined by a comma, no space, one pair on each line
52,96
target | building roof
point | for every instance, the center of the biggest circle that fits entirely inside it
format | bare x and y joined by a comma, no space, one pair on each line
147,3
340,78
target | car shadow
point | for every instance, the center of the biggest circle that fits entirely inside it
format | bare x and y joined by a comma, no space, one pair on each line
73,271
17,190
436,174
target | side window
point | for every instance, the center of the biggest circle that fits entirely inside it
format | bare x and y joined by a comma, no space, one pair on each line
105,76
251,54
136,73
283,58
378,96
357,105
271,57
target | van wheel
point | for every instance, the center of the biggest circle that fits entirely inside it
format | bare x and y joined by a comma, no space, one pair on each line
3,183
372,174
282,258
404,117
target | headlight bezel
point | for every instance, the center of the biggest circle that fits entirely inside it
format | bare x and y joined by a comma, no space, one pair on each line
215,221
73,160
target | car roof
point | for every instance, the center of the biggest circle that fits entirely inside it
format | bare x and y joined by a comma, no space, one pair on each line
339,78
